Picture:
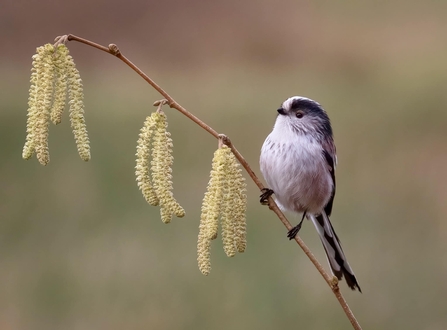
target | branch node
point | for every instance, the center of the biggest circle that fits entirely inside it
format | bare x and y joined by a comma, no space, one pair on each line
114,50
220,140
60,40
172,104
160,102
225,140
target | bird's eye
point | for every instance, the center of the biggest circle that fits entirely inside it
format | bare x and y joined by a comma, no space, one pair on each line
299,114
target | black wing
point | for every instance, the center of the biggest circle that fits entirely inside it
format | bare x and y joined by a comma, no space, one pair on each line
331,166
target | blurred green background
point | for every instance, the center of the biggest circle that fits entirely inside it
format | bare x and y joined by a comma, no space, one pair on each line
80,248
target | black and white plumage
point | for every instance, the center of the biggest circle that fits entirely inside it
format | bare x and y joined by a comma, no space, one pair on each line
298,162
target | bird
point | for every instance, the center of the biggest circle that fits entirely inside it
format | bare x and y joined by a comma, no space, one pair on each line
298,160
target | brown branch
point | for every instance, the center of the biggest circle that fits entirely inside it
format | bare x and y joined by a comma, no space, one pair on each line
330,280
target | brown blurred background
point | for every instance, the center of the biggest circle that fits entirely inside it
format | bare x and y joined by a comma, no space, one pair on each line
79,247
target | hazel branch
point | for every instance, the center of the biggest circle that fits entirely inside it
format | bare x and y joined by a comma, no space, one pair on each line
330,280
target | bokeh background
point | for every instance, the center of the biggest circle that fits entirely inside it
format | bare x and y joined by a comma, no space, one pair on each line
80,248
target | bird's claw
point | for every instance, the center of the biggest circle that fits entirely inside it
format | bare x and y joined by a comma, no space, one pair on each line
294,231
266,193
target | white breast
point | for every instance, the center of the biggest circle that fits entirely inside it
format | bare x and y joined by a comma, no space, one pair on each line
295,169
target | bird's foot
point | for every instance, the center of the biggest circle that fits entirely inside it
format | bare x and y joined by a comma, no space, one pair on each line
266,193
294,231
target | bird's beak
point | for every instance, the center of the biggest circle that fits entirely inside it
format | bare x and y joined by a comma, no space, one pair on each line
281,111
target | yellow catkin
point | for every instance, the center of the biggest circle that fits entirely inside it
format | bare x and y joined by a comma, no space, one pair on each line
165,214
213,197
238,188
227,217
30,143
76,110
211,206
142,168
204,250
225,197
209,217
44,93
161,168
60,83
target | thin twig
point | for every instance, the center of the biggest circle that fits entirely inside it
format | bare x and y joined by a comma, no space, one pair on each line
330,280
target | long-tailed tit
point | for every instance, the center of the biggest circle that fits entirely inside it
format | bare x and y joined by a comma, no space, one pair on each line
298,162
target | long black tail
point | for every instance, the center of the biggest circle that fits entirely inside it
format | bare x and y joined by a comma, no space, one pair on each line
335,255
